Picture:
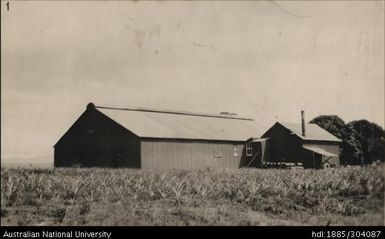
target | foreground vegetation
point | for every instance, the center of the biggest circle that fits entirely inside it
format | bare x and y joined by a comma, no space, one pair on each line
341,196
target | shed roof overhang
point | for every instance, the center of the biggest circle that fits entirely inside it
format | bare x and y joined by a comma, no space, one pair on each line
258,139
319,151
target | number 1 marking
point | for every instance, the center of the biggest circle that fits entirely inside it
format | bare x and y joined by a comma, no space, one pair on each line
7,6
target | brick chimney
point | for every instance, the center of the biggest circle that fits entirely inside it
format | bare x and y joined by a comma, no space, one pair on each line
303,123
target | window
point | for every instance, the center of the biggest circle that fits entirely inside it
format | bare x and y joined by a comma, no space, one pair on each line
249,148
218,153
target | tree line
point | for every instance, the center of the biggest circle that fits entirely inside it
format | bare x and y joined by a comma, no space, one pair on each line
363,142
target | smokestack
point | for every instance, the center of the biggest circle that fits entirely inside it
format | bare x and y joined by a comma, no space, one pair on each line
303,123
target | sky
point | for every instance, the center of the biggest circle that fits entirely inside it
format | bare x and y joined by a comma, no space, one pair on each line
262,59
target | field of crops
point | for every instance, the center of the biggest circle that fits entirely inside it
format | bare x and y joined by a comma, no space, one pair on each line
341,196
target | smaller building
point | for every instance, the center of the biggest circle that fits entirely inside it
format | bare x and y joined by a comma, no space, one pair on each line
307,144
257,152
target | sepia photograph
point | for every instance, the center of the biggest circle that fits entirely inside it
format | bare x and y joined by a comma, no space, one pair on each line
191,113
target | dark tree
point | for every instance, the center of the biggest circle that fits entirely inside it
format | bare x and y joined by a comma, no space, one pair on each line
332,123
362,141
351,148
372,139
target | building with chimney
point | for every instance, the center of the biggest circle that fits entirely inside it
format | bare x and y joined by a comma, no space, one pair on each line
306,144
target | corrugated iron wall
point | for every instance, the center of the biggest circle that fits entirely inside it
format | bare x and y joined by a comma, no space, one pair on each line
169,154
97,141
284,146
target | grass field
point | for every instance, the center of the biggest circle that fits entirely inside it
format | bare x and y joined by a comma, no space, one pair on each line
341,196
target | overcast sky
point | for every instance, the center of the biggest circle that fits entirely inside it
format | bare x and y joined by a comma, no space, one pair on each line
267,60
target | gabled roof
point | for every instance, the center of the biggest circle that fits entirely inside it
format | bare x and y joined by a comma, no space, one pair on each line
149,123
313,132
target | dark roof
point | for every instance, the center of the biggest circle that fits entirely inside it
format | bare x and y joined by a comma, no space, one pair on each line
155,123
313,132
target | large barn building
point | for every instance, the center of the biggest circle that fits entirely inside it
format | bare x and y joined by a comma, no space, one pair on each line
307,144
163,139
155,139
